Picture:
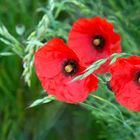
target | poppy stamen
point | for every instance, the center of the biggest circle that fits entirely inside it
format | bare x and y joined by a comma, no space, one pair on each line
138,77
69,68
96,42
139,80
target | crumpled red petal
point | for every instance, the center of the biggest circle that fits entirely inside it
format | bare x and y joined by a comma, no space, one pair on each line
49,61
82,34
124,82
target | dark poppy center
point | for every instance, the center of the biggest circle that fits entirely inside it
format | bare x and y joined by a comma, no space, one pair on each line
98,42
70,67
138,77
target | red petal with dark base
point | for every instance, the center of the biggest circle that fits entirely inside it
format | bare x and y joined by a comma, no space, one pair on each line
125,82
81,37
49,62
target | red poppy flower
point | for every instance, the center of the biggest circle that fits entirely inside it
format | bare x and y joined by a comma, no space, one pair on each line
125,82
94,39
56,66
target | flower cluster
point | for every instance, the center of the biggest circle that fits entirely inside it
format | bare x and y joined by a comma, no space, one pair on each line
89,40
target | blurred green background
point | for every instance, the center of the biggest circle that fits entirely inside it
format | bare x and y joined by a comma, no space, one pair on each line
55,120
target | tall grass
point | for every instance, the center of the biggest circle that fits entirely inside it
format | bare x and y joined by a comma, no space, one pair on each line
24,26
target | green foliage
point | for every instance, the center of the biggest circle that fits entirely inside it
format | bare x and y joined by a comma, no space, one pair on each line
98,63
33,43
10,41
25,26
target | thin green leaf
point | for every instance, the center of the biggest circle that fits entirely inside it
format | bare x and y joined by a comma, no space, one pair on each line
42,101
6,54
90,69
117,55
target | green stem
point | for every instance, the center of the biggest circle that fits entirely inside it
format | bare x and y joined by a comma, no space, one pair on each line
101,99
89,107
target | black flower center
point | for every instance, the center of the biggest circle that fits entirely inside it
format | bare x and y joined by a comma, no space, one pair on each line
98,42
138,77
70,67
